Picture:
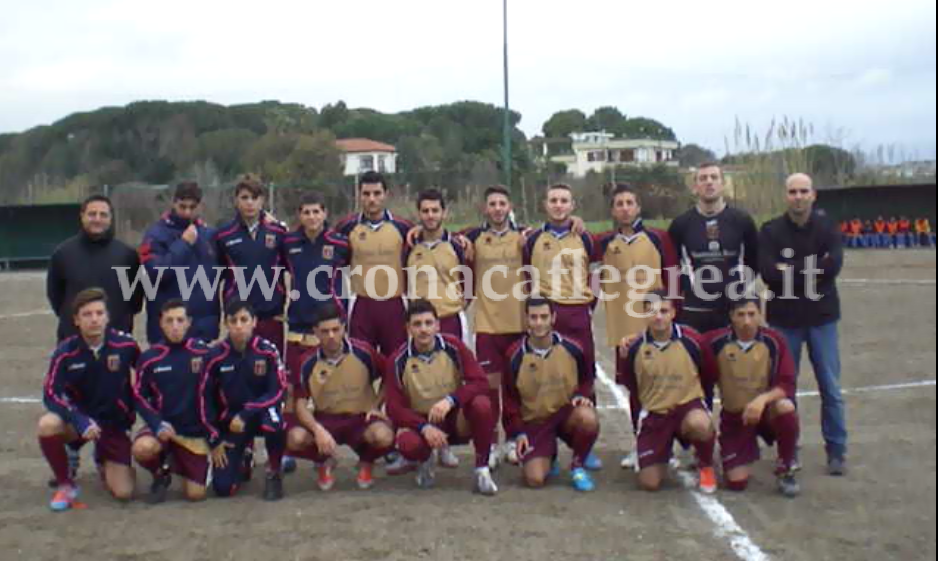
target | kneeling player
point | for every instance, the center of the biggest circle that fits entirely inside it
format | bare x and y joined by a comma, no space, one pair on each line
339,381
668,368
546,399
757,383
438,396
171,398
89,398
249,384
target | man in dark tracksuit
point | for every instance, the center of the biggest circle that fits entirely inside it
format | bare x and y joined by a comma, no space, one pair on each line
89,260
181,239
248,387
172,398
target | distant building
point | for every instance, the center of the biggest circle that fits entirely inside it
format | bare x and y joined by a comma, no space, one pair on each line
360,155
598,151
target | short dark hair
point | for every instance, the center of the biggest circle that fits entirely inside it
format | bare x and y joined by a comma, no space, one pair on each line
537,303
188,191
173,304
419,307
329,312
656,296
622,189
97,199
310,199
706,165
372,178
251,183
497,190
234,307
431,195
86,297
558,186
738,304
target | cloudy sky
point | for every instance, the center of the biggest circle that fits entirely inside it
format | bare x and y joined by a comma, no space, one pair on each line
862,73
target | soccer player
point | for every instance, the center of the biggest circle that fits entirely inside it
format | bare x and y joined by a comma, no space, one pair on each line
339,381
713,237
670,371
803,259
88,398
547,398
434,262
248,383
497,265
181,239
437,396
172,397
253,240
756,377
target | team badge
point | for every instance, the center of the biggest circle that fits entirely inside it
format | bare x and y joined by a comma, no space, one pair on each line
363,236
114,363
415,369
713,230
649,354
488,240
260,367
328,252
323,374
271,241
617,251
732,357
195,365
547,246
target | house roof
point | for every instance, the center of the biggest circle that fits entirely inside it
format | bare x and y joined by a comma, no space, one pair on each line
353,145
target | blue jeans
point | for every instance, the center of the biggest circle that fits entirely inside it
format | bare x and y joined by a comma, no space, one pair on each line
824,351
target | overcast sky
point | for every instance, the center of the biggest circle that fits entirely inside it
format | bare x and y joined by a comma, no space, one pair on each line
860,72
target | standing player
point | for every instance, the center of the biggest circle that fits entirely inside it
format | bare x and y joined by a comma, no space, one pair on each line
547,398
180,239
377,241
248,384
637,260
438,396
756,377
339,381
434,262
713,238
254,241
171,394
89,398
670,371
497,267
561,261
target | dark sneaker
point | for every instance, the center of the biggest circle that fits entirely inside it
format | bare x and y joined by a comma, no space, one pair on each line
273,488
247,468
159,488
289,465
788,486
836,467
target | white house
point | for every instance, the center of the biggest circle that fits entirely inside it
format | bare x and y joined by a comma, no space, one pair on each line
360,155
598,151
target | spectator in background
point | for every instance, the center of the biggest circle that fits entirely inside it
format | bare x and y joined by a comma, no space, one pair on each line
906,239
89,260
924,231
856,230
882,233
893,228
845,232
869,235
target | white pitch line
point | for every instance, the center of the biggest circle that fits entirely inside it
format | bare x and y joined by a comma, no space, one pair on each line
27,314
877,389
20,400
890,282
727,528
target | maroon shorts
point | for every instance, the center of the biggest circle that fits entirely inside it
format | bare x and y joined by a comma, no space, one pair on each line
379,323
453,326
657,433
739,444
297,354
543,436
114,447
183,462
576,323
450,426
492,351
347,430
272,330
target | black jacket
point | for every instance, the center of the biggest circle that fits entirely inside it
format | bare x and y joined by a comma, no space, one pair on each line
81,263
821,239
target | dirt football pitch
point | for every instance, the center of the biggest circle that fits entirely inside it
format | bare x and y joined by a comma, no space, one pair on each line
884,510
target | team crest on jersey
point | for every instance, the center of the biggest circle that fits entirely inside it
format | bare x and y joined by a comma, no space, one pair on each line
617,250
328,252
114,363
547,246
260,367
270,240
323,374
363,236
713,230
196,365
732,357
649,354
488,240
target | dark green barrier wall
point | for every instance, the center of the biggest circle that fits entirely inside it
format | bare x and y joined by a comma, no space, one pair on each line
867,203
31,233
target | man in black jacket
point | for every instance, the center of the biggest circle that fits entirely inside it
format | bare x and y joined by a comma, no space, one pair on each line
89,260
801,257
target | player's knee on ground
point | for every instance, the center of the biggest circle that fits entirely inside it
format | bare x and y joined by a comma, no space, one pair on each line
535,473
50,425
298,439
585,419
380,436
146,448
650,480
120,481
698,426
194,492
737,480
783,407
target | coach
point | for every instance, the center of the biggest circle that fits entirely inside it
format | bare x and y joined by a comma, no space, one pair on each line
88,260
801,257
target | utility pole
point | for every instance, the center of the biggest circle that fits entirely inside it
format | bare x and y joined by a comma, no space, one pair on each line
506,140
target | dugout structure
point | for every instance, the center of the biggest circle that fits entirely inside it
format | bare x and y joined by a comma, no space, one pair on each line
867,203
30,234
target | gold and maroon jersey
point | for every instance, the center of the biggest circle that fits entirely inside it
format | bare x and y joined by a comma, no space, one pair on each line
562,260
344,386
377,251
746,370
434,269
497,269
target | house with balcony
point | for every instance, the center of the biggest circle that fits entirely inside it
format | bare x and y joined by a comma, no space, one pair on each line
360,155
600,151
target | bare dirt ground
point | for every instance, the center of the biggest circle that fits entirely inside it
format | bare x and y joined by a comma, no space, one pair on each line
884,510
